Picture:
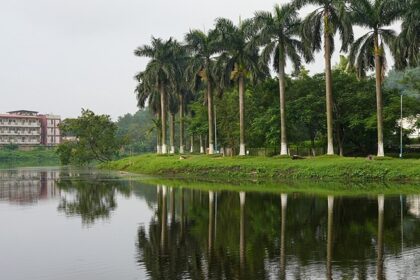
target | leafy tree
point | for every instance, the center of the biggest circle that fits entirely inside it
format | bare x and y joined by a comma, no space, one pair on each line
368,52
320,25
96,139
407,44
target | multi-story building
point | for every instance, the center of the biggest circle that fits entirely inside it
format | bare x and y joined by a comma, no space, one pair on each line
29,129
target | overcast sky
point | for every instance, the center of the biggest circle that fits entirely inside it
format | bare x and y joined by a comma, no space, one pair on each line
58,56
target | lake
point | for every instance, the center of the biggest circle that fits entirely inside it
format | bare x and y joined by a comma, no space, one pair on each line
65,223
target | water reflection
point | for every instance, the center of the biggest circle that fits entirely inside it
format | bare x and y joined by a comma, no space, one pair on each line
193,234
246,245
27,186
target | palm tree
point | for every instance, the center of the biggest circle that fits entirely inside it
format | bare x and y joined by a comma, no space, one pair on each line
148,96
320,25
160,71
239,60
407,45
278,33
200,70
368,52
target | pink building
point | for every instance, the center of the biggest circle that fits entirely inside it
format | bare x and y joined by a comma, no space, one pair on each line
28,129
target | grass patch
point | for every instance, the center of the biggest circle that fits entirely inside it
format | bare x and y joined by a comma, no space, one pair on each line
270,169
37,157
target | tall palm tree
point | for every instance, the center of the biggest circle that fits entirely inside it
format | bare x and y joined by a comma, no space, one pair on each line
240,60
147,95
200,70
407,45
161,71
279,34
320,25
368,51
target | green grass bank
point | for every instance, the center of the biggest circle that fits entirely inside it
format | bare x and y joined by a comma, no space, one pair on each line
215,168
37,157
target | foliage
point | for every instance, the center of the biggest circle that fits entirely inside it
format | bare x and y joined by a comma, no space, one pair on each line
135,130
96,139
36,157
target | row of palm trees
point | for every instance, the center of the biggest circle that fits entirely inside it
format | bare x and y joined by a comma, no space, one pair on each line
231,55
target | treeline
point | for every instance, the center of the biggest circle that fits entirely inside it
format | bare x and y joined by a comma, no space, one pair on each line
204,76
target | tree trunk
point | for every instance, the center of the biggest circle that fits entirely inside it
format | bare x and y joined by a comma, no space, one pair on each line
210,117
201,145
163,122
282,86
379,115
181,124
328,88
158,135
172,133
192,143
241,116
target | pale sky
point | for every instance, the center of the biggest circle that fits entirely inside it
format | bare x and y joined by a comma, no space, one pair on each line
57,56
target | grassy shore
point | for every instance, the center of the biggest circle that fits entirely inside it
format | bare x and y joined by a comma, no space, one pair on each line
214,168
37,157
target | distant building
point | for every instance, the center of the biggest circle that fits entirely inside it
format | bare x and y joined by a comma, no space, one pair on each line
28,129
410,123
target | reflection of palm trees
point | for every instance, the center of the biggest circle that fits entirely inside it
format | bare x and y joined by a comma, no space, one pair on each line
242,232
211,218
380,257
330,235
282,237
163,220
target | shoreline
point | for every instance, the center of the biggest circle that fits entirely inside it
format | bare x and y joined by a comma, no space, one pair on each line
275,169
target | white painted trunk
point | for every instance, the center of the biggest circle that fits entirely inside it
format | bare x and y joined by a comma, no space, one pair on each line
164,149
211,149
330,149
381,149
172,151
158,149
181,149
283,150
242,149
201,150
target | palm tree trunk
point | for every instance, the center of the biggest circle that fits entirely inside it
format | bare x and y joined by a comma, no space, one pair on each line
172,133
158,135
192,143
328,88
210,118
282,87
201,145
181,124
379,115
163,113
241,116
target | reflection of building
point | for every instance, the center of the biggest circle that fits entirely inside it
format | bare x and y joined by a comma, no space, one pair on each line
413,203
26,186
28,128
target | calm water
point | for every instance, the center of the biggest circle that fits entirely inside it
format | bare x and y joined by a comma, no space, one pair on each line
85,224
